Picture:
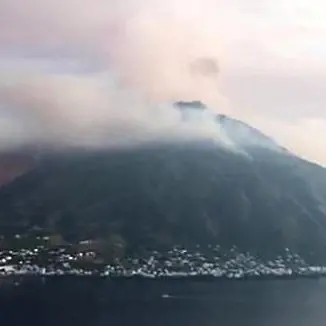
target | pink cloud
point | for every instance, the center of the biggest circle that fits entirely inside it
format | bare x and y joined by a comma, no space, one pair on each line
154,46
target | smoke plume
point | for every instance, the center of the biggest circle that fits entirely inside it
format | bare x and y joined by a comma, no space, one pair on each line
130,59
103,72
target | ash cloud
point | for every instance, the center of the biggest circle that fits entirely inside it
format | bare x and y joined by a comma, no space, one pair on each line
92,111
98,72
140,56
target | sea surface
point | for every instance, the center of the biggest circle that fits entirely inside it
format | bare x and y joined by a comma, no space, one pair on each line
81,301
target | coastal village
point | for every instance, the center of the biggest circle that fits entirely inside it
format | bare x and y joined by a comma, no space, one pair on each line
211,261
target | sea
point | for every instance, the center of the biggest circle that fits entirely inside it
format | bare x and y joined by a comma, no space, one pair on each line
95,301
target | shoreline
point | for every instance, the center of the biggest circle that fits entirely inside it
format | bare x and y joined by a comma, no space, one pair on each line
197,278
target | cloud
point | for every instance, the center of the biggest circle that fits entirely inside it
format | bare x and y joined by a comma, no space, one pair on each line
72,66
153,46
91,111
139,55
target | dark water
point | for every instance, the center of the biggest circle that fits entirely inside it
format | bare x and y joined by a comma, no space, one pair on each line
98,302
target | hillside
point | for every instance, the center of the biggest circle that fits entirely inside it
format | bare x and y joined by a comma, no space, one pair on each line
14,164
261,199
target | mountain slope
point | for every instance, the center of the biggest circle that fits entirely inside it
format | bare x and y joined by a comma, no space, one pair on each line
13,165
179,193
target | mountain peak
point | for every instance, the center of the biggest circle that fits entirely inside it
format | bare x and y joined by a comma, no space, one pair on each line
191,105
245,135
240,133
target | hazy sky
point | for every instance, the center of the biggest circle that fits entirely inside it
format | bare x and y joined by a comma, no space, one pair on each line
64,62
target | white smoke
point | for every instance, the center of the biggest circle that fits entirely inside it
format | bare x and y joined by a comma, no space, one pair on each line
92,72
143,55
91,111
